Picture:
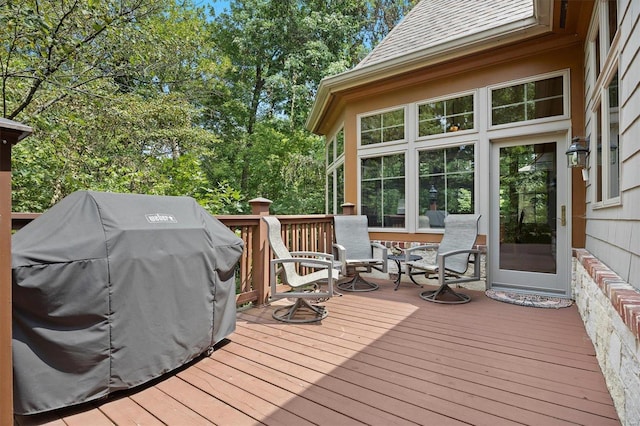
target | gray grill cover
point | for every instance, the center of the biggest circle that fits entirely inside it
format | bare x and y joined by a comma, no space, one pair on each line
113,290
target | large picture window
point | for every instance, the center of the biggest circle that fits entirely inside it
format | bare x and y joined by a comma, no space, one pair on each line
382,189
446,184
450,115
383,127
528,101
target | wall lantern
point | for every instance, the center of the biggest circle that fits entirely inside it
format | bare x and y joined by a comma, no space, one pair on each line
577,153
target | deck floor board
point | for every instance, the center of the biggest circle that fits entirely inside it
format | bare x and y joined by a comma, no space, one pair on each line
380,358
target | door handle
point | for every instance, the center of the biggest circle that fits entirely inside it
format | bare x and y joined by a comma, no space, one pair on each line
563,215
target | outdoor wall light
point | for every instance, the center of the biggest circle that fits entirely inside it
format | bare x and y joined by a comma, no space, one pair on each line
577,153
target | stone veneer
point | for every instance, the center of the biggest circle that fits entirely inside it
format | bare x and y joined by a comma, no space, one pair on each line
610,309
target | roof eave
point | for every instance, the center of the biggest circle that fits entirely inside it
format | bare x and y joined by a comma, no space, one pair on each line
453,49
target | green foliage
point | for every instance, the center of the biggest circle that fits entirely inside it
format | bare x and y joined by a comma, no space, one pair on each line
150,96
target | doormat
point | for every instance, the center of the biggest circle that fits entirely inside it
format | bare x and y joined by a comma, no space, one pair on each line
528,299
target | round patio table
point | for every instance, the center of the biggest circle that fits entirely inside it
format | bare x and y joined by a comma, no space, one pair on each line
400,259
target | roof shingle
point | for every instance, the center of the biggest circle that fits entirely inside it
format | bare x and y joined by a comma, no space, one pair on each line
434,22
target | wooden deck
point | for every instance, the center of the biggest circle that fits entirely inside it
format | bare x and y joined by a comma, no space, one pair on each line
380,358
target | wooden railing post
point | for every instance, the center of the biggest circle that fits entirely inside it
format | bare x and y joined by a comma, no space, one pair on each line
260,255
10,134
348,209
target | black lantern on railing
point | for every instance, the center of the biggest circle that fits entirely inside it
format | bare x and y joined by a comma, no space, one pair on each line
577,153
433,194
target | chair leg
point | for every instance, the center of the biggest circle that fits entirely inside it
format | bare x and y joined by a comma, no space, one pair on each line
288,313
357,284
439,296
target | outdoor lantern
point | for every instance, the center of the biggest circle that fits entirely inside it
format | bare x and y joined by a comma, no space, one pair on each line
577,154
433,194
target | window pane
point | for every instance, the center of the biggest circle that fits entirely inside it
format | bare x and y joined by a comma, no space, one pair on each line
613,19
393,118
330,152
371,122
382,190
330,194
446,179
372,202
373,136
445,116
393,203
538,99
371,168
339,188
339,143
507,95
459,159
385,127
614,140
430,127
597,52
510,114
599,153
393,133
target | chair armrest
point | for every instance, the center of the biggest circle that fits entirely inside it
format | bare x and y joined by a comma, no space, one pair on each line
317,263
312,255
340,255
474,252
384,254
453,252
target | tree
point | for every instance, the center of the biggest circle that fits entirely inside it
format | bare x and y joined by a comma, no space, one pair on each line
52,50
278,51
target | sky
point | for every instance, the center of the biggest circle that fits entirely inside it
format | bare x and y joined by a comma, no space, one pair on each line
218,5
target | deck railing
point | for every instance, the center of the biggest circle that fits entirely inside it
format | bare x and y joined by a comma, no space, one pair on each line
299,232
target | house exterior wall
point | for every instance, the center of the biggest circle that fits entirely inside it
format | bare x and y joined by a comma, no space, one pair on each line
613,230
473,73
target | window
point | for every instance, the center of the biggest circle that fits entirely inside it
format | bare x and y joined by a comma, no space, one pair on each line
607,142
605,102
382,190
528,101
450,115
383,127
446,184
335,173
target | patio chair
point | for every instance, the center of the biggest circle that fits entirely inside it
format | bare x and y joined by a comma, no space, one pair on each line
305,289
452,259
356,252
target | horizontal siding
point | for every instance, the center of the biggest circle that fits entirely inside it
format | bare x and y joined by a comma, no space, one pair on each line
611,230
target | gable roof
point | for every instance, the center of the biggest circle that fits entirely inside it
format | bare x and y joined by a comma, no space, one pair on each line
435,31
434,22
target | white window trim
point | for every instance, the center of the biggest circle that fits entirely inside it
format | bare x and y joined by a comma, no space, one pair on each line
405,152
448,97
566,99
416,194
609,65
382,144
601,99
331,168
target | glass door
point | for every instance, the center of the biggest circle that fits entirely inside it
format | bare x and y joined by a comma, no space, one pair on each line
529,248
